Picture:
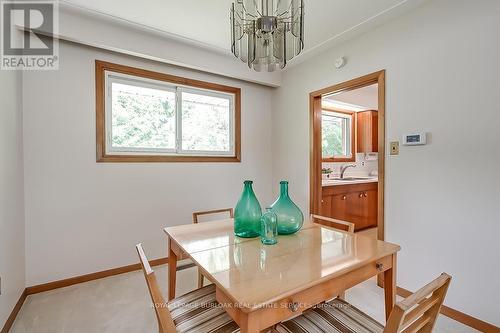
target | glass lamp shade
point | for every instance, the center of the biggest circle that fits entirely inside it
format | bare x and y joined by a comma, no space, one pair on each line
267,34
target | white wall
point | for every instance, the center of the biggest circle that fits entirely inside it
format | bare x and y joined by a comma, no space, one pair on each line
441,199
12,264
83,216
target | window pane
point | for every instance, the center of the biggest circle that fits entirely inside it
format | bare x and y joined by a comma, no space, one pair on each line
336,135
205,123
142,117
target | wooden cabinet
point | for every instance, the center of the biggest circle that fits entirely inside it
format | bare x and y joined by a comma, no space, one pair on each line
367,131
339,205
326,204
371,199
356,203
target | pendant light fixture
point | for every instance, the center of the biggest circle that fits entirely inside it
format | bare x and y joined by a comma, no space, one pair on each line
266,34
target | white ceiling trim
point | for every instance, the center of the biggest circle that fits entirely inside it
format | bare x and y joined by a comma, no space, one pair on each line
163,33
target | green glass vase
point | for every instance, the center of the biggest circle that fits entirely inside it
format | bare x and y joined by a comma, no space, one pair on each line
290,217
247,213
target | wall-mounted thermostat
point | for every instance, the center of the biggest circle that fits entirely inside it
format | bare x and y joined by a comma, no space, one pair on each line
414,139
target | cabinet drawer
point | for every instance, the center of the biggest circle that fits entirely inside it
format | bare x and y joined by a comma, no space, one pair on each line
340,189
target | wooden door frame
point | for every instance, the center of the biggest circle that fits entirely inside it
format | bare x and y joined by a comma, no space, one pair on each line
315,141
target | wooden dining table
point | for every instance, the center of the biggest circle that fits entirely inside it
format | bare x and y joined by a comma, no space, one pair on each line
261,285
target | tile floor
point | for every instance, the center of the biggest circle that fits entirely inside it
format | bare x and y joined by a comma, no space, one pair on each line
121,304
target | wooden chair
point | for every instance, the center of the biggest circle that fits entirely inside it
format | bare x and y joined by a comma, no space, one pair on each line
417,313
196,220
333,223
196,311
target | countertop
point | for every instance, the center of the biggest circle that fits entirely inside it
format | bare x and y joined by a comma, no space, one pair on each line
334,182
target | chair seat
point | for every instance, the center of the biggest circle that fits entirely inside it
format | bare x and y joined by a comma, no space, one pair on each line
199,311
334,316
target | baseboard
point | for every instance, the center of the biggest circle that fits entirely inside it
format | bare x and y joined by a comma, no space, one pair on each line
13,314
78,279
461,317
90,277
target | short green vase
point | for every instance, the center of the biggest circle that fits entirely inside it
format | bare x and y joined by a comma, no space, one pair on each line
247,213
290,217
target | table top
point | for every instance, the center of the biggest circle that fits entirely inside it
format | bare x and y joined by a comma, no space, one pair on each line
254,275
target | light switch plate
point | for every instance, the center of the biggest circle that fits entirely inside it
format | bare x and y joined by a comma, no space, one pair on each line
394,147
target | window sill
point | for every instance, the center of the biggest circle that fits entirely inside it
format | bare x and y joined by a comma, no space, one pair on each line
339,159
160,159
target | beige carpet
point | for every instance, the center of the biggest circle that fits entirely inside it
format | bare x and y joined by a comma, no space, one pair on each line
121,304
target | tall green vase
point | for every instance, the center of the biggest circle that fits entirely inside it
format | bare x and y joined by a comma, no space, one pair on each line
247,213
290,217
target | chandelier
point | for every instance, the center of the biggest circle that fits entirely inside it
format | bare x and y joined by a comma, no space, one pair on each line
266,34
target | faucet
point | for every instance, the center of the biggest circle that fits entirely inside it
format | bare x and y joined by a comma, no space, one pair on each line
343,169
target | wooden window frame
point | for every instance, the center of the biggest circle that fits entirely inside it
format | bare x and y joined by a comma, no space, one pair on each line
101,67
353,137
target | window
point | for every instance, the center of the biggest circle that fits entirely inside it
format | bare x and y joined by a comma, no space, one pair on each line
145,116
337,136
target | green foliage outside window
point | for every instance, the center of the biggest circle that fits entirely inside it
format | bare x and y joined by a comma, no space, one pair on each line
143,119
332,137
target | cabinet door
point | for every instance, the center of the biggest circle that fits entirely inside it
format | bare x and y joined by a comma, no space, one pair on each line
365,209
339,207
326,206
354,203
367,132
371,203
374,132
357,210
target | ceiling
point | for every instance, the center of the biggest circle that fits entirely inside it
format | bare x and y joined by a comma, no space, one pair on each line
207,22
365,98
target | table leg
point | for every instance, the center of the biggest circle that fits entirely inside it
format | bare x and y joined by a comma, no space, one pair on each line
172,270
249,323
390,287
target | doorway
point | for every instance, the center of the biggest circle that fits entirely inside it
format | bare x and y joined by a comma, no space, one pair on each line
345,137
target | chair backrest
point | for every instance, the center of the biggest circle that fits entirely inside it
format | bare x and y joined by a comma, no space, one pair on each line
333,223
210,212
419,311
165,321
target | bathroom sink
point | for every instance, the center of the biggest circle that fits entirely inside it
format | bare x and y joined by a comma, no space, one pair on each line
353,178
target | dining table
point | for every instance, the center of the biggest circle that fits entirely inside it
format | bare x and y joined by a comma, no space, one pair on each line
261,285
